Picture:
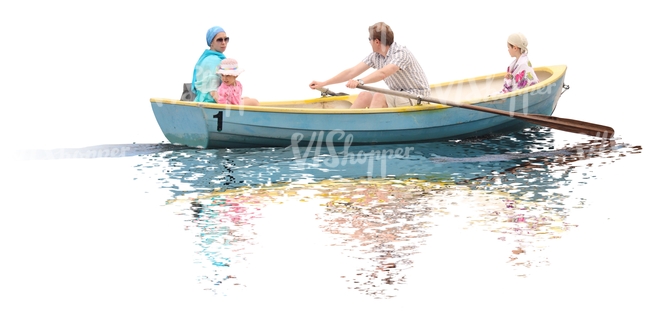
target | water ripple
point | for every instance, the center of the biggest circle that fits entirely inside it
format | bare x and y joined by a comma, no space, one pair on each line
517,188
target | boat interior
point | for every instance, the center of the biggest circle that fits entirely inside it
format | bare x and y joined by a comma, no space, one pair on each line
465,90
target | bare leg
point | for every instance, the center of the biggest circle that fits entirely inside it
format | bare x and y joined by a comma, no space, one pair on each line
378,101
363,100
247,101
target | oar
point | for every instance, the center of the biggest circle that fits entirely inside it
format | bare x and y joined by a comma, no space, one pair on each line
559,123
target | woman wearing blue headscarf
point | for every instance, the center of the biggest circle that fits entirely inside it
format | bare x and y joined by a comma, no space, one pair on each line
205,78
206,81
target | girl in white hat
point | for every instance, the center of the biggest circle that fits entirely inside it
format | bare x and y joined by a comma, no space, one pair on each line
230,90
520,72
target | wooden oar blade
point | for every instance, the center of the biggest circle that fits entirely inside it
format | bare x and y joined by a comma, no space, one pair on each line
569,125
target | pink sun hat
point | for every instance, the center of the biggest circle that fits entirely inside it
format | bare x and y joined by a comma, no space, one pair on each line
229,67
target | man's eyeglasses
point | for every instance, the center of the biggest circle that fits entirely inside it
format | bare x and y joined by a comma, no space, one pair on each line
221,39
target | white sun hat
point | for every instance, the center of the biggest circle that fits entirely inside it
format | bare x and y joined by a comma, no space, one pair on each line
229,67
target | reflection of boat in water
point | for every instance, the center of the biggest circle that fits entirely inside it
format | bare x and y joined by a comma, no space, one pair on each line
521,194
222,169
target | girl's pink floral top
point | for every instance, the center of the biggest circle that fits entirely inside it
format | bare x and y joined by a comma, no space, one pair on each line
230,94
522,73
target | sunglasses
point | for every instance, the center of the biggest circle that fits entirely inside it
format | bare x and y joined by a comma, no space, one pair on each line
221,39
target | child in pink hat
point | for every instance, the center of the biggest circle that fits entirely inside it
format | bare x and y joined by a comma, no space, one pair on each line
230,90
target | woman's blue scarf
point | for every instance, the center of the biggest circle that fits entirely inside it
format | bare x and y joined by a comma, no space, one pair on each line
206,53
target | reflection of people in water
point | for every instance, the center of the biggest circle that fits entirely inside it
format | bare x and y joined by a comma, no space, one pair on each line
222,225
383,224
531,217
210,240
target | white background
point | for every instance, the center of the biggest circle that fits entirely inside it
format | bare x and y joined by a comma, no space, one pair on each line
79,74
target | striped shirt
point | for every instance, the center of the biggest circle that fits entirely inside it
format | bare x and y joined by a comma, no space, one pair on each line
409,78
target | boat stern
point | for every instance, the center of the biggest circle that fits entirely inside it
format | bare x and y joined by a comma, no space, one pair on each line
181,124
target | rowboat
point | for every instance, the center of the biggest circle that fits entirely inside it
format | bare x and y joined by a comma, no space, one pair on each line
451,113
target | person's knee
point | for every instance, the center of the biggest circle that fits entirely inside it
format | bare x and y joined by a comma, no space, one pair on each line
250,101
379,100
364,95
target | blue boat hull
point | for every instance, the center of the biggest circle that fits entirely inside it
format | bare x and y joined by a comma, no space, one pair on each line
283,124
